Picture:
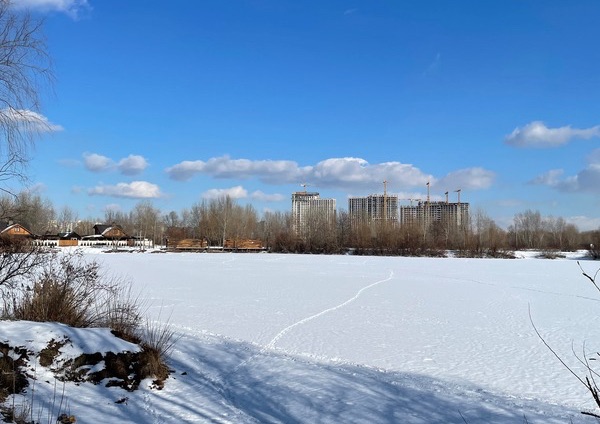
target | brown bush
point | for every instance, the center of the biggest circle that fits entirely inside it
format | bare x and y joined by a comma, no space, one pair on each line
73,291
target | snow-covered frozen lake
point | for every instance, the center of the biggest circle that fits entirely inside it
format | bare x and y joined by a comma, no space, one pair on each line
261,327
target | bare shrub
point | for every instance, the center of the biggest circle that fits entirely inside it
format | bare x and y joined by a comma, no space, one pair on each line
157,343
19,258
73,291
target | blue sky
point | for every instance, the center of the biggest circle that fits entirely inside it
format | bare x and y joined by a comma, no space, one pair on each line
179,101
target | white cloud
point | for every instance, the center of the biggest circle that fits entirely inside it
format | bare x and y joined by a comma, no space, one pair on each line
356,172
97,163
29,120
225,167
237,192
132,165
537,134
72,8
584,223
550,178
467,179
586,180
264,197
332,173
133,190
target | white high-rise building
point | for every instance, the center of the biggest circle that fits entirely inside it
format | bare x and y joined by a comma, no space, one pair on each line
309,209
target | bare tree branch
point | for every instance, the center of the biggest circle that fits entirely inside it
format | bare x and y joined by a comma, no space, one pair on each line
25,68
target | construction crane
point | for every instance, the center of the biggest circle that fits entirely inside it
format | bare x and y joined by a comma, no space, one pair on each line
446,197
458,191
304,185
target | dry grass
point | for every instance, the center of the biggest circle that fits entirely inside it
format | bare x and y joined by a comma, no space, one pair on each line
73,291
157,343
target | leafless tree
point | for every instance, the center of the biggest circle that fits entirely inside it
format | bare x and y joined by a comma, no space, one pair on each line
24,71
146,221
276,228
67,219
30,210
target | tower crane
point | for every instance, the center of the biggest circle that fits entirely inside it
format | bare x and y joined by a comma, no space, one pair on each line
458,191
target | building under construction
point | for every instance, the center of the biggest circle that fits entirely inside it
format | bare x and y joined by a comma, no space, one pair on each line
309,209
373,208
426,213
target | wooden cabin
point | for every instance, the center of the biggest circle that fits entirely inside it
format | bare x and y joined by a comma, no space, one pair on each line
110,232
14,230
69,238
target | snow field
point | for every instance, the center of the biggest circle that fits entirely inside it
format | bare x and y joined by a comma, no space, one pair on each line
464,321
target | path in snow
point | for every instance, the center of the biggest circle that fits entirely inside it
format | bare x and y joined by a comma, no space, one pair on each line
286,330
271,344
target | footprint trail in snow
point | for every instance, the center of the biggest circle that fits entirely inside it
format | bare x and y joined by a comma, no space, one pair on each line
286,330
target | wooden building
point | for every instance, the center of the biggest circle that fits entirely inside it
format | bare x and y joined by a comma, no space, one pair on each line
8,229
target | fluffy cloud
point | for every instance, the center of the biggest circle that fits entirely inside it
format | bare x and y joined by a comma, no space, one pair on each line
133,190
537,134
97,163
237,192
584,223
28,120
225,167
132,165
334,173
356,172
468,178
73,8
264,197
550,178
586,180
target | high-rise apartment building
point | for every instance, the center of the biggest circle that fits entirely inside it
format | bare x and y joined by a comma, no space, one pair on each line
373,208
310,211
426,213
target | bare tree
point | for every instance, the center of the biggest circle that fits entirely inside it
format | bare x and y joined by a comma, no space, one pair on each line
276,229
67,219
30,210
24,71
146,221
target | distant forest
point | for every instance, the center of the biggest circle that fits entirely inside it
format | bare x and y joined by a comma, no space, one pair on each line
223,218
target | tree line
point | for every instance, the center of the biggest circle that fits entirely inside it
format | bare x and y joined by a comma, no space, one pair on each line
216,220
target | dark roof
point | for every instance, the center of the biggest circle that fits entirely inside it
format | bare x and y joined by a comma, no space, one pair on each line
101,228
69,235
